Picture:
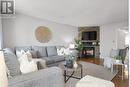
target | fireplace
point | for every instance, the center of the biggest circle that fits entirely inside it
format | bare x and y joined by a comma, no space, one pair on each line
88,52
90,38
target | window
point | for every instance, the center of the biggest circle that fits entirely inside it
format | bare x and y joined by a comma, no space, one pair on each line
127,39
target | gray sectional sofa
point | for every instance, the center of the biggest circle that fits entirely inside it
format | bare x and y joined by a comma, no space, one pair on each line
48,53
48,77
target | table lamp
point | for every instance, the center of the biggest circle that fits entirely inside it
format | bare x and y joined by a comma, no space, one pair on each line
71,46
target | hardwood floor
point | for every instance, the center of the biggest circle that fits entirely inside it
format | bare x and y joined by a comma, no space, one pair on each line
117,80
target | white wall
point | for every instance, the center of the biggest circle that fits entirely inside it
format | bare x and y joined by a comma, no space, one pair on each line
109,37
20,31
121,39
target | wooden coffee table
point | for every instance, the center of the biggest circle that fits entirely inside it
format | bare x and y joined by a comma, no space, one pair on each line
72,70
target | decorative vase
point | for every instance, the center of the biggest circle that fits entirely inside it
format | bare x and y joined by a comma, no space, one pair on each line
69,63
118,61
75,64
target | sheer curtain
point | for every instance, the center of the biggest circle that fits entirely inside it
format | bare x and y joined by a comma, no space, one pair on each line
3,76
1,39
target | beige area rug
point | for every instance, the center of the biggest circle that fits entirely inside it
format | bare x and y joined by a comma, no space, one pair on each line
93,70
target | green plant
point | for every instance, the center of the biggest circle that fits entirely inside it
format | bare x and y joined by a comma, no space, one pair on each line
78,46
118,57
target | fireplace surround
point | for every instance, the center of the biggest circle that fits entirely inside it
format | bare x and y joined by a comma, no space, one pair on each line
90,41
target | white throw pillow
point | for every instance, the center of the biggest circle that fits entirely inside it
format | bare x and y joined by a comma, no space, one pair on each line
19,53
27,66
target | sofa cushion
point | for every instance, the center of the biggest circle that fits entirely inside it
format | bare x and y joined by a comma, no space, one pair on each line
48,60
41,51
25,48
12,63
58,58
51,51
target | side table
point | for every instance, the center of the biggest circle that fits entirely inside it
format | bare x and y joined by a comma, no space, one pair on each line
122,67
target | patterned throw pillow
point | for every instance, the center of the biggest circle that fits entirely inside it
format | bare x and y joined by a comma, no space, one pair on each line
29,55
8,73
60,51
34,53
13,67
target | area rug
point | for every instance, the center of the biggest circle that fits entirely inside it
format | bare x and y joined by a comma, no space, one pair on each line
93,70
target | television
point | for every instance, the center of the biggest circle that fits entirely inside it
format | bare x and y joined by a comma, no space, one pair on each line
89,35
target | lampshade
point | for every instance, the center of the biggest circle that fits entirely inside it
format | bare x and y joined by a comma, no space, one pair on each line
3,76
71,46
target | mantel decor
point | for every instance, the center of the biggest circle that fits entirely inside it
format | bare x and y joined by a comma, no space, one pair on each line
43,34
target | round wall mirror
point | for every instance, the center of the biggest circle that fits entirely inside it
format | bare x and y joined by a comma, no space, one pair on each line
43,34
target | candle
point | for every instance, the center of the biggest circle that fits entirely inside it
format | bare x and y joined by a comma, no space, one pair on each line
75,64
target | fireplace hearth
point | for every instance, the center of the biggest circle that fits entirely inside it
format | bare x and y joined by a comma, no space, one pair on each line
88,52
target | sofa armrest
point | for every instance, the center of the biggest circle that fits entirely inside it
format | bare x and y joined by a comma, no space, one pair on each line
49,77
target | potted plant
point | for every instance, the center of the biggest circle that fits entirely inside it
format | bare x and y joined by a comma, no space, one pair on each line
118,59
78,46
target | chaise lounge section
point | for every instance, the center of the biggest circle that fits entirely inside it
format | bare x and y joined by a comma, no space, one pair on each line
49,77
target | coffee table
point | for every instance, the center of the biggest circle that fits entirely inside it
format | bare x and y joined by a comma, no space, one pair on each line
72,70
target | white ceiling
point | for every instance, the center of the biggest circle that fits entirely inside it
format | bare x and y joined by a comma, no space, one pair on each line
76,12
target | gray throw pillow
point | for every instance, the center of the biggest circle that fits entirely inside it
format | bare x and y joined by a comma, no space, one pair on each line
122,52
51,51
12,63
34,53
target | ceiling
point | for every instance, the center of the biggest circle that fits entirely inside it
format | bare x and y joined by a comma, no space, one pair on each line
76,12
